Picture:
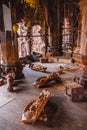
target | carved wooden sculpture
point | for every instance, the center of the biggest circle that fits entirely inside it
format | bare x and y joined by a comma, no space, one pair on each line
23,40
34,109
61,69
9,82
37,67
40,82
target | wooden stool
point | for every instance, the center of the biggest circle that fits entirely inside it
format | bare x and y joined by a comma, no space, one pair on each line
75,91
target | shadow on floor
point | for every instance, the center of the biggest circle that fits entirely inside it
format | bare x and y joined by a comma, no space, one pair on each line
19,85
56,115
51,84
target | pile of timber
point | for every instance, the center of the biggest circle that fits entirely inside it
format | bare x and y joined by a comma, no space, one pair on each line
42,81
33,110
37,67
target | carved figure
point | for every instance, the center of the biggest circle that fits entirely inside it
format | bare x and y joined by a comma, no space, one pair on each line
40,82
9,82
34,109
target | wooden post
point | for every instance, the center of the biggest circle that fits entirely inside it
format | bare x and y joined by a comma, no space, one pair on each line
55,27
7,48
83,44
17,64
1,18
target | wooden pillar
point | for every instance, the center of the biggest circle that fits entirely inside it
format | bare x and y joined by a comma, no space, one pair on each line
81,58
17,64
1,18
83,43
8,57
46,38
55,24
13,18
54,30
45,24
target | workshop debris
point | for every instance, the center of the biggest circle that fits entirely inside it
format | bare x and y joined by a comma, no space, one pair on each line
37,67
34,110
40,82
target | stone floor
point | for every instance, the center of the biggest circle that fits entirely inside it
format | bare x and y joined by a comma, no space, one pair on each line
62,113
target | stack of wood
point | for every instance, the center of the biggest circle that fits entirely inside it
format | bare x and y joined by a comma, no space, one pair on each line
37,67
34,109
42,81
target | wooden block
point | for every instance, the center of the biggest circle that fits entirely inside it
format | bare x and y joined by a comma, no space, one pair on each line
44,60
53,59
75,91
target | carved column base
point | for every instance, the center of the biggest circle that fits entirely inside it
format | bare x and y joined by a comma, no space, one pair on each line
18,70
15,68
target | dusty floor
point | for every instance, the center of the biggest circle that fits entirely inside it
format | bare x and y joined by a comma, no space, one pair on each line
62,113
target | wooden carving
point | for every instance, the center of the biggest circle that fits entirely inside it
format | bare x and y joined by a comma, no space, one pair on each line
66,68
37,67
40,82
34,109
9,82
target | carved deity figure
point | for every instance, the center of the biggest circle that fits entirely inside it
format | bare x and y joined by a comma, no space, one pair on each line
23,40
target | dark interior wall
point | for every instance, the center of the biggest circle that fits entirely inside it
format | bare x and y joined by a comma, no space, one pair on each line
19,11
55,19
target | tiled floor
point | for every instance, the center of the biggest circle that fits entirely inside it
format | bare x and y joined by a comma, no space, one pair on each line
62,113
